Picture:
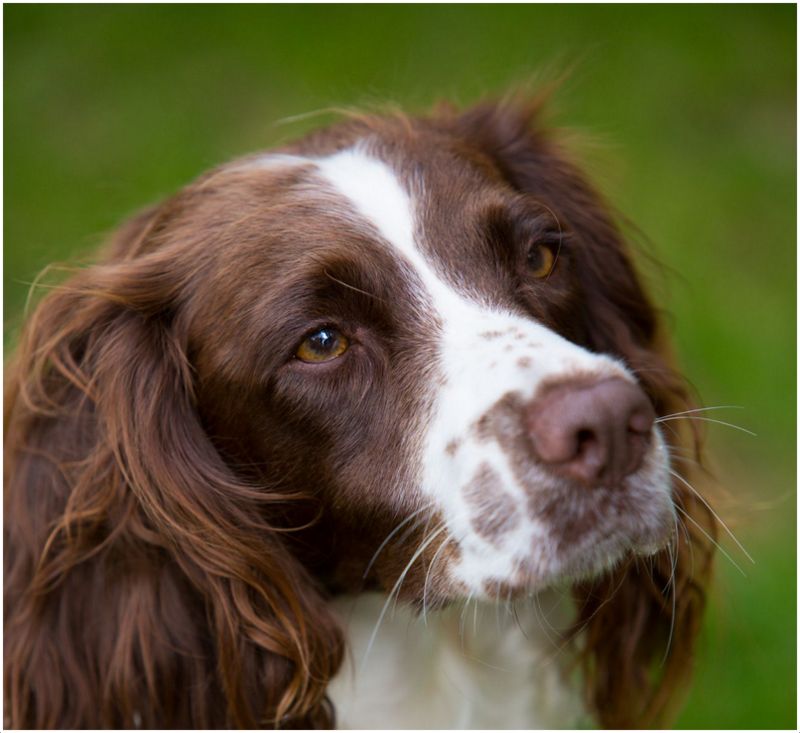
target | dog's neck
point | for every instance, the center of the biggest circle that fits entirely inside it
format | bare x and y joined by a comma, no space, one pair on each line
475,666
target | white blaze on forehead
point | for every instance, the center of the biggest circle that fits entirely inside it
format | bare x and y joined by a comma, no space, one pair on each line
374,190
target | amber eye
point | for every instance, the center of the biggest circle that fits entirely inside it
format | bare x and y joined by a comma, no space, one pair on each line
322,345
541,260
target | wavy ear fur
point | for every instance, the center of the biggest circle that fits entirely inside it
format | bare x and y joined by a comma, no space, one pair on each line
144,583
643,612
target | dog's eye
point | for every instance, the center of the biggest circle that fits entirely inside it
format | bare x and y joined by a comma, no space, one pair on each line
541,260
322,345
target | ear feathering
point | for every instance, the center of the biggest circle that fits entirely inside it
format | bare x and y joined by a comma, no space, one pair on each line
137,563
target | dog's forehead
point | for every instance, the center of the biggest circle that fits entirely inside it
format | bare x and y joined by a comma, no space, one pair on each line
426,201
385,209
376,193
424,215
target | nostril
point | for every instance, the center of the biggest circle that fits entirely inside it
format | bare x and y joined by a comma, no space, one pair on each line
588,448
590,459
583,437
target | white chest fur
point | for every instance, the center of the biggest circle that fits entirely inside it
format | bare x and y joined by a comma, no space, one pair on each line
473,667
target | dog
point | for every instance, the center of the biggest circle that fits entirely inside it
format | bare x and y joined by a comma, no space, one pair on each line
319,435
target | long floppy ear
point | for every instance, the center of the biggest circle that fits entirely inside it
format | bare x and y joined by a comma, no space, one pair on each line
637,625
144,583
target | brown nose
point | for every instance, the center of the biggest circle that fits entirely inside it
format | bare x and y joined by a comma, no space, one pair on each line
593,433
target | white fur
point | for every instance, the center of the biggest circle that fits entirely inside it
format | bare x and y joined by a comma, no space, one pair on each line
473,666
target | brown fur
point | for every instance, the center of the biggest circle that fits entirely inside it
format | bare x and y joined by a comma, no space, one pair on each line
177,508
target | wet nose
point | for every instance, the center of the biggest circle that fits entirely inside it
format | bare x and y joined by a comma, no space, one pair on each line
595,433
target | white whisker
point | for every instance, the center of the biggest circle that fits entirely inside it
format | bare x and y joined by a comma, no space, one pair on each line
710,538
703,409
706,419
673,564
714,514
392,534
427,578
544,623
423,546
461,619
673,545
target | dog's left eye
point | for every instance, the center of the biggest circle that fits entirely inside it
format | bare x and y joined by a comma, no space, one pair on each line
323,345
541,260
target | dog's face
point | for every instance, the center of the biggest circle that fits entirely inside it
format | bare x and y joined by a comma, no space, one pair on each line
377,317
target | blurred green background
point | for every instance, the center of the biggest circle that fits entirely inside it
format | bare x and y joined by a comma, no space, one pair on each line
108,108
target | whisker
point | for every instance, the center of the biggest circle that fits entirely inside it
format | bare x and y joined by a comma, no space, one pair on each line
515,616
682,455
710,538
461,624
671,428
597,610
427,578
423,546
704,409
689,544
674,602
672,544
544,622
714,514
424,535
392,534
509,604
497,609
706,419
352,287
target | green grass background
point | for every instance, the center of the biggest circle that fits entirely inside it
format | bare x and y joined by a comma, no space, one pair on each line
108,108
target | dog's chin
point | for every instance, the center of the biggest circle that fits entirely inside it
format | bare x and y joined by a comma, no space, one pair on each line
595,556
606,556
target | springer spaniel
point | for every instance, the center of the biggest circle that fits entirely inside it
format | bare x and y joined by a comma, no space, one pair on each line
322,433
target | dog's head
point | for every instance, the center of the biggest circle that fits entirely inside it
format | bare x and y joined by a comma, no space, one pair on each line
409,354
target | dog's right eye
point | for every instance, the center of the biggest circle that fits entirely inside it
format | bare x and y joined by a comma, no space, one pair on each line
323,344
